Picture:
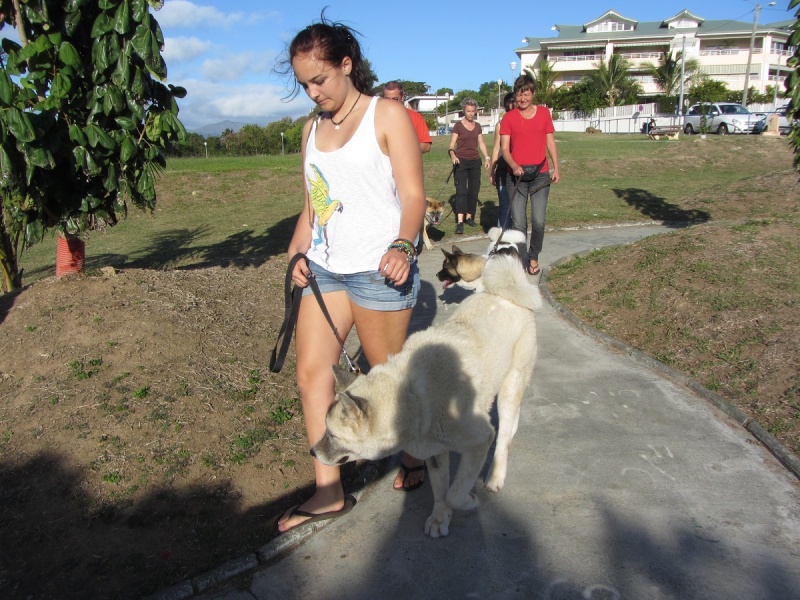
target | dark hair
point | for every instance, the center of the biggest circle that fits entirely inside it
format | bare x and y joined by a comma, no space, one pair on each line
509,99
524,83
332,42
394,85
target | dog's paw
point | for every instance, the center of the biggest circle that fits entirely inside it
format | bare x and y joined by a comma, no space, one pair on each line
469,502
438,524
496,479
494,484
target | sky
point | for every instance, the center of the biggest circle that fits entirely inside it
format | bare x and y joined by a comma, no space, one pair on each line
224,52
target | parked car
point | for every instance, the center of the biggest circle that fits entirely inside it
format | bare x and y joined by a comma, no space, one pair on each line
723,118
784,124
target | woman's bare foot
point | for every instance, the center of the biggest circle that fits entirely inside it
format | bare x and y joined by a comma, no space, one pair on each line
411,474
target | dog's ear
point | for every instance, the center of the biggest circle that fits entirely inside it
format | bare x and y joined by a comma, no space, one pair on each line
342,378
354,408
447,255
457,250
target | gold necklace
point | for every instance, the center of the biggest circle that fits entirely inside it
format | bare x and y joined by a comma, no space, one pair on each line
347,115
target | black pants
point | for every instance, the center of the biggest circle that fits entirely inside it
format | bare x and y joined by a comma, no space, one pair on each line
468,183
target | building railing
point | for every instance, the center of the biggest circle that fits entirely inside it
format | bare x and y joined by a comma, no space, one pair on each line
577,58
632,55
728,51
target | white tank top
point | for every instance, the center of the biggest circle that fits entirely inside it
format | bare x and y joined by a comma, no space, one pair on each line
354,201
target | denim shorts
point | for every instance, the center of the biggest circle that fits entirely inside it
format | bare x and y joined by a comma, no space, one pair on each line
369,289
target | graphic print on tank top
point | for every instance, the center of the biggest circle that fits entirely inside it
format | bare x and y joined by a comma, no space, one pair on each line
321,202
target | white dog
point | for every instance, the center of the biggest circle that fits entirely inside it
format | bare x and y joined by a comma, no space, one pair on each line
465,269
434,396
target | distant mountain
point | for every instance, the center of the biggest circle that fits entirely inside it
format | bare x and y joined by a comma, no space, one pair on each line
218,128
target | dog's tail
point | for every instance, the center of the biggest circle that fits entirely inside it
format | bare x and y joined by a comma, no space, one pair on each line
504,276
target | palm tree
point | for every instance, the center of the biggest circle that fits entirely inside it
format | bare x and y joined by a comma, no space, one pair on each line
613,79
544,78
667,73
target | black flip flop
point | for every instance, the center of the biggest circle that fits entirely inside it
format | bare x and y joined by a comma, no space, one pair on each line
406,471
349,503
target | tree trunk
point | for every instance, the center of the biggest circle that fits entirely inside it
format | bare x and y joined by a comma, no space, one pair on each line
12,278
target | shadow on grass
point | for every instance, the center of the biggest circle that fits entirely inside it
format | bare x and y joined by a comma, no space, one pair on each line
179,248
659,209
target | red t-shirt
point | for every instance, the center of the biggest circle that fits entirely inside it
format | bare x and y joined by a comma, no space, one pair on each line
528,136
420,126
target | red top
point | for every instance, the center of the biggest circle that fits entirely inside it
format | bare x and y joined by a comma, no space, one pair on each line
528,136
420,126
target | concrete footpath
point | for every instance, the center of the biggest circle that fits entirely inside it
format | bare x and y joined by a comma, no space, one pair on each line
623,483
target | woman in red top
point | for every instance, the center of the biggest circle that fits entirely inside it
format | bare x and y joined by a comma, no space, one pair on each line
527,136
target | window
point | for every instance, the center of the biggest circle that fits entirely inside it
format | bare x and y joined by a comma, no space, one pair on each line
609,26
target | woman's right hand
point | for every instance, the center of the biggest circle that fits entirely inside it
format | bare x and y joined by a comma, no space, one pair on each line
301,274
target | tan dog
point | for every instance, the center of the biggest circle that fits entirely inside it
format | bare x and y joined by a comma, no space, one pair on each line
434,210
434,396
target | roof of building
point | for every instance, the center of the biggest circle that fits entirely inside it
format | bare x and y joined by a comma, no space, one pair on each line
579,34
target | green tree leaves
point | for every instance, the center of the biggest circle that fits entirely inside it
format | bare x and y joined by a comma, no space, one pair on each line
84,118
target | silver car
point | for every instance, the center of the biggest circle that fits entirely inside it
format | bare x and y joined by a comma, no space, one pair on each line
722,118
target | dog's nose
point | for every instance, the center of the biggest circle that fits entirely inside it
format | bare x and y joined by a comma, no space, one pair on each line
314,454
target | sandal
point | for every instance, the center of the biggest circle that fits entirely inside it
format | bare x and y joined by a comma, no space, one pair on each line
406,471
533,270
349,503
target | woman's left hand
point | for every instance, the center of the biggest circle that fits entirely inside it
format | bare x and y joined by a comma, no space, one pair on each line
394,266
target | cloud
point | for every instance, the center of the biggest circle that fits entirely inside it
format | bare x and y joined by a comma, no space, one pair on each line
184,14
208,103
184,49
234,67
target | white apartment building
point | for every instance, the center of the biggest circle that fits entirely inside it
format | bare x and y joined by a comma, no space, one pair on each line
721,47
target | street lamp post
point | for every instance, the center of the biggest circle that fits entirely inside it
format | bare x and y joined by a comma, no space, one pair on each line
750,53
499,83
206,145
683,62
513,65
446,101
281,143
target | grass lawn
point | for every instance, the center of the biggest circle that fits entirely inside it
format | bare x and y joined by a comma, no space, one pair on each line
242,210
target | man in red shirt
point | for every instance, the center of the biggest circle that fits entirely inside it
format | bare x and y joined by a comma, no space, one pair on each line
394,91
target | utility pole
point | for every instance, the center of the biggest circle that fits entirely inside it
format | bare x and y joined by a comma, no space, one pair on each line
750,53
683,62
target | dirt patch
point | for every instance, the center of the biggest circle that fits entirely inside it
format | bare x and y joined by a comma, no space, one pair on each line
142,438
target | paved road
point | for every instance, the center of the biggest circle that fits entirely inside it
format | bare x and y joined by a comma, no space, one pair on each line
623,484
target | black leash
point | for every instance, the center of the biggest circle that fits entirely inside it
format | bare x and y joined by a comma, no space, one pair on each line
446,181
292,296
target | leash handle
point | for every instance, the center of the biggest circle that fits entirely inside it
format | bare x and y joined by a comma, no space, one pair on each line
291,302
292,294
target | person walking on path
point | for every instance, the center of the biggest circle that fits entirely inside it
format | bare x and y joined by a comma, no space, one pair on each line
465,143
527,136
363,204
394,91
498,169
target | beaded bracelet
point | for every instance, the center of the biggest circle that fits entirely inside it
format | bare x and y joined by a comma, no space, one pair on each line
405,246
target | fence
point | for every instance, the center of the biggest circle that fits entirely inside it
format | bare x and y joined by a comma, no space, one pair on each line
613,119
